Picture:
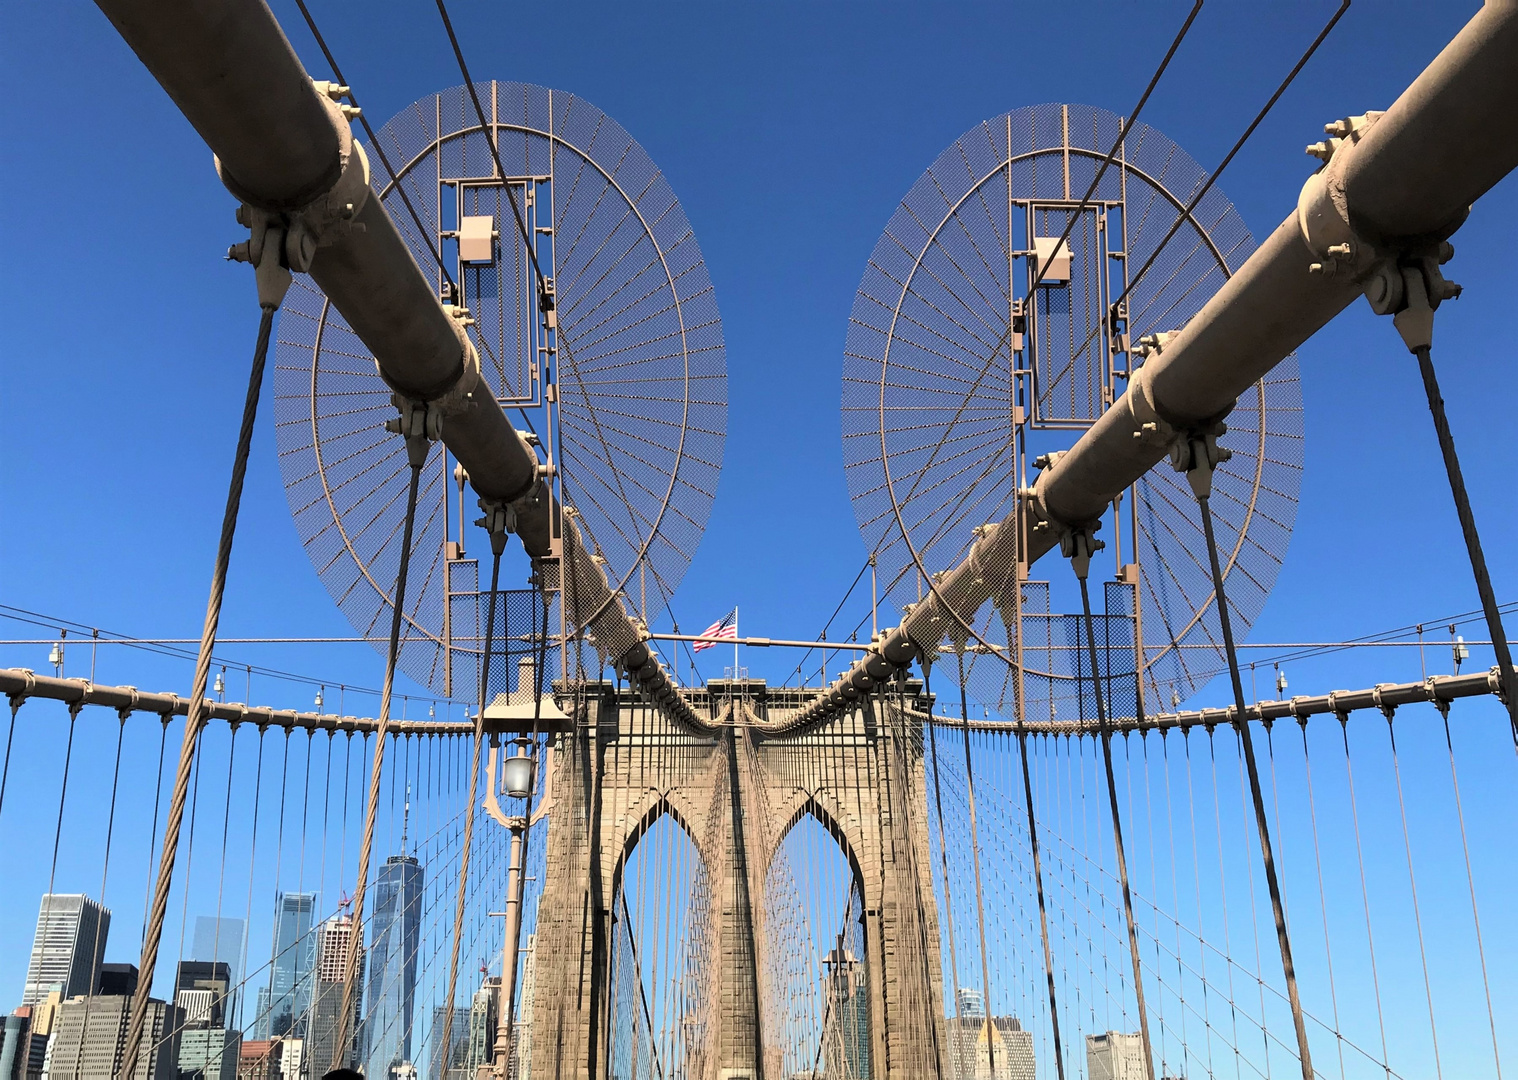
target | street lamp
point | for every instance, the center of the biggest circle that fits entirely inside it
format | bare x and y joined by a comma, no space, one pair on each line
319,690
518,770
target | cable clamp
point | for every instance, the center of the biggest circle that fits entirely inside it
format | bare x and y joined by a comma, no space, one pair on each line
419,423
284,238
1078,544
417,419
30,683
499,520
1197,454
1410,287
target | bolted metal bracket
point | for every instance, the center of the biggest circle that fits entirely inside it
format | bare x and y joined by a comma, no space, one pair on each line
265,250
419,423
1410,289
547,305
499,520
285,238
1197,454
1079,544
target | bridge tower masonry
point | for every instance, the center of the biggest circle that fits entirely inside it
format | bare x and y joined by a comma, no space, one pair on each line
736,787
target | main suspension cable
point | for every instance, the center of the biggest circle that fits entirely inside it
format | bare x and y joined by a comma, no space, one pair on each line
196,717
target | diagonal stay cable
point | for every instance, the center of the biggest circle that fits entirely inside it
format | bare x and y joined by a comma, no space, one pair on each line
400,188
1122,134
495,153
1201,193
545,298
374,140
196,716
417,447
995,352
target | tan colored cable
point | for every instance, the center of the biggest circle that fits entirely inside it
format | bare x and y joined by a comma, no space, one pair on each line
195,719
474,777
416,450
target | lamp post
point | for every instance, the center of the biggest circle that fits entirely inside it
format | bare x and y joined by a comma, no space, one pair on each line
516,778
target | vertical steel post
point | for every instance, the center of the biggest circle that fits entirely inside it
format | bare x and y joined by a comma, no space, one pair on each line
504,1036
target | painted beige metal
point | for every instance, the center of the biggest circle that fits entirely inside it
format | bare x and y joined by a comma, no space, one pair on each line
1411,176
231,70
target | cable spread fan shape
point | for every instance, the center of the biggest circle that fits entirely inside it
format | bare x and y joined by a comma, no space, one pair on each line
641,376
958,372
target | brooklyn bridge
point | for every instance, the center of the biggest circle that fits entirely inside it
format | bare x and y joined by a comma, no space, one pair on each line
1032,803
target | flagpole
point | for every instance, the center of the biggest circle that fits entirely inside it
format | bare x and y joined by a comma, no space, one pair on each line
735,643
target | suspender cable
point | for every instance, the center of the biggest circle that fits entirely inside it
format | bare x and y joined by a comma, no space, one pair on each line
1198,456
1081,547
474,777
1489,608
1043,914
980,907
5,772
196,717
417,445
943,852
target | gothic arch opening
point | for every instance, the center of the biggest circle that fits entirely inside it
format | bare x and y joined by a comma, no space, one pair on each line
662,1008
817,1004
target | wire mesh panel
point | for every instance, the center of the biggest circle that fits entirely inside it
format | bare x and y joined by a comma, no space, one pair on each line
633,376
976,337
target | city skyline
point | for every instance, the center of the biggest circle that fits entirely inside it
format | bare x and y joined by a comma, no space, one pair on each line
297,991
849,110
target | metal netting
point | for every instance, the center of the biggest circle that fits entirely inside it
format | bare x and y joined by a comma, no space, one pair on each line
937,393
638,356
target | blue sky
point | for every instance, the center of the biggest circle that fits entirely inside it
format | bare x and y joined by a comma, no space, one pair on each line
789,132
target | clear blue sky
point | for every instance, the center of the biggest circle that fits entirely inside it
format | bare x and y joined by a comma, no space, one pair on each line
789,132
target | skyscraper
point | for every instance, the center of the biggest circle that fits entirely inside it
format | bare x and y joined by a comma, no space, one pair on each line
970,1002
293,968
521,1042
68,947
1115,1055
394,939
483,1019
89,1039
448,1064
846,1009
201,988
224,941
337,936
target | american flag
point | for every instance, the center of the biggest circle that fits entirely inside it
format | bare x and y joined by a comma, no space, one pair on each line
725,627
